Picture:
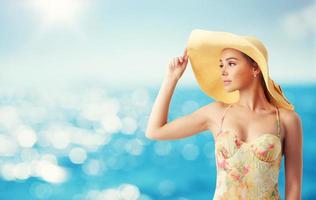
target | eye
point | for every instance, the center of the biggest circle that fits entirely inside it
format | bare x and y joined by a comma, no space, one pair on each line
220,65
231,63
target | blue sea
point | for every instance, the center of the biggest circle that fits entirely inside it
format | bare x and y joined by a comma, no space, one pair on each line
88,142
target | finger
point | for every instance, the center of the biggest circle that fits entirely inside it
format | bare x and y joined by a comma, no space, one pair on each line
186,60
186,55
177,59
180,58
173,62
185,52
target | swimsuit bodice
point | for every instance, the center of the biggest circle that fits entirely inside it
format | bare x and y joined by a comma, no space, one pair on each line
247,170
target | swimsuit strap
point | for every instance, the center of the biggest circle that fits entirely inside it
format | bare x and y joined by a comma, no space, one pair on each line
222,119
278,120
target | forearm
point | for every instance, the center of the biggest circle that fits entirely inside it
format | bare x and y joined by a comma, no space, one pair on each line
293,194
159,113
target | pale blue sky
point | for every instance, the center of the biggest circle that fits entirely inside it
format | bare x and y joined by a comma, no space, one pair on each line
132,42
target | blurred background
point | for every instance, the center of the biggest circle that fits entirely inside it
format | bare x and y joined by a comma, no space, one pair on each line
78,79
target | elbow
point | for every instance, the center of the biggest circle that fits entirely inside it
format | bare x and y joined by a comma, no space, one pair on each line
154,134
149,135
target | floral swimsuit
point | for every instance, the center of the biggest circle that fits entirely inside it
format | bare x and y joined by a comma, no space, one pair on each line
247,170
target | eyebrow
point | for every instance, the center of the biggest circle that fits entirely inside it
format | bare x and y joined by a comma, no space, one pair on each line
229,58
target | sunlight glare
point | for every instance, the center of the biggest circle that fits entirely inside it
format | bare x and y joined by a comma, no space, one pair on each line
58,12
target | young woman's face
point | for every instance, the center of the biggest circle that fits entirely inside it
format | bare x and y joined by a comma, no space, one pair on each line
236,69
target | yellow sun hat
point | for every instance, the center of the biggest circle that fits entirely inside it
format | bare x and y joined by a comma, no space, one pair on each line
204,50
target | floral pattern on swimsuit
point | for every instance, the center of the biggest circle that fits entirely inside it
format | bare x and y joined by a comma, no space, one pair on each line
247,170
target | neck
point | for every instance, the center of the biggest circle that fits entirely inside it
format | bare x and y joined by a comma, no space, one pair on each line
253,98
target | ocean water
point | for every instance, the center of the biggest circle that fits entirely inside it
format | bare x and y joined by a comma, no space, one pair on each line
87,142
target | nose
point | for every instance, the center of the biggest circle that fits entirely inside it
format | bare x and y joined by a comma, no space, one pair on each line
224,72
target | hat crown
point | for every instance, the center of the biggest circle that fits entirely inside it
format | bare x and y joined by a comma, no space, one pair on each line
258,44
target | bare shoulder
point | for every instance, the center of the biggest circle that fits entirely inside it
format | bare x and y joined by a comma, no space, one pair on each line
290,120
289,116
217,107
214,112
214,109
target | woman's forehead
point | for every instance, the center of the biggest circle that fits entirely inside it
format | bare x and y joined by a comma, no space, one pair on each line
230,53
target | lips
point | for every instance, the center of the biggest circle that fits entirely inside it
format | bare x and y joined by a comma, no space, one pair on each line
227,82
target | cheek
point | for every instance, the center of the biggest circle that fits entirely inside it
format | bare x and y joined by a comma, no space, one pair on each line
241,77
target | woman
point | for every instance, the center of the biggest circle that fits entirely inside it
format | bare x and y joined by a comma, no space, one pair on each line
252,123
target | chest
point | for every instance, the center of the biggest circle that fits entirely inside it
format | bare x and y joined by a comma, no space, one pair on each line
249,127
266,148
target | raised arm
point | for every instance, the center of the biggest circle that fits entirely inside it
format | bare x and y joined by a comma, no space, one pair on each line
293,157
158,127
181,127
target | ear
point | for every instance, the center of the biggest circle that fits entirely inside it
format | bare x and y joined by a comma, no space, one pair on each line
256,69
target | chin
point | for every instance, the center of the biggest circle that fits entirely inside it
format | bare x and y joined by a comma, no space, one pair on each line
229,89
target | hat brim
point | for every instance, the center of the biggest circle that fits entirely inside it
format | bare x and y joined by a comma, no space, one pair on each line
204,51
